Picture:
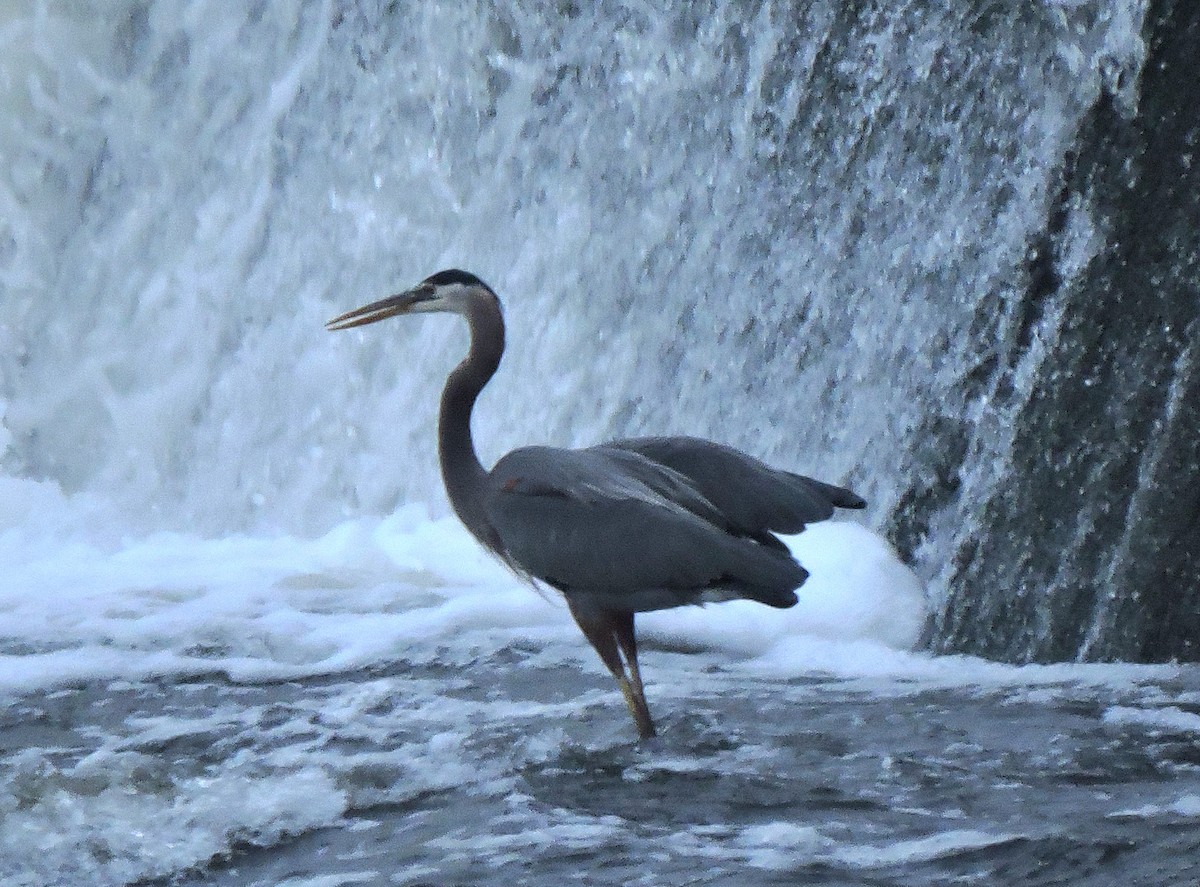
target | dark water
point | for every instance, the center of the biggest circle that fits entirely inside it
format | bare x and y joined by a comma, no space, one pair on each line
1083,776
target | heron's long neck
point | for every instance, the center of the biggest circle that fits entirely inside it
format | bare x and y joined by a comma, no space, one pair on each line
462,472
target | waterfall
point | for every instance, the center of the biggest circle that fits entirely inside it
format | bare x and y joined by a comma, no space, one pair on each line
947,256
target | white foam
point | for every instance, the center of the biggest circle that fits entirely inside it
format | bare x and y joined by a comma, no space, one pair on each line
35,507
782,845
342,879
860,605
78,605
1169,719
5,434
254,608
68,814
777,846
921,849
1184,807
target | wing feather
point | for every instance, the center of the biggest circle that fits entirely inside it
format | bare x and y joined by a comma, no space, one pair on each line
754,497
625,532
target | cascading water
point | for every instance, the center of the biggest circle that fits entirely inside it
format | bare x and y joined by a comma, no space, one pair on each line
946,254
819,236
855,240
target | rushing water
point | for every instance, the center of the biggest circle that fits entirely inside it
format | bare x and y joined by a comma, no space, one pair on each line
947,256
488,762
386,706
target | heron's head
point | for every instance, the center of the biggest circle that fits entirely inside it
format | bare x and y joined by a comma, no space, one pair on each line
451,291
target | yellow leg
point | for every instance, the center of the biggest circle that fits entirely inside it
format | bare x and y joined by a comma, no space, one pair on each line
638,708
636,698
605,631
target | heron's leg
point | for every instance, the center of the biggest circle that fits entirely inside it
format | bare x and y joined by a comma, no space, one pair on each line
600,628
627,639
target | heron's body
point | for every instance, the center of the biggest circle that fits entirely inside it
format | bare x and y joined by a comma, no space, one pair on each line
621,528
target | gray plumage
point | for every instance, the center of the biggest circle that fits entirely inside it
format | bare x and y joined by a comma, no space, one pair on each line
615,530
620,528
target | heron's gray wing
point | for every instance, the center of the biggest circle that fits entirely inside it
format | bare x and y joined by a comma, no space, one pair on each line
754,497
625,532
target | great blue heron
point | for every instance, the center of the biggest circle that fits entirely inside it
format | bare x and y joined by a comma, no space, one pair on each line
621,528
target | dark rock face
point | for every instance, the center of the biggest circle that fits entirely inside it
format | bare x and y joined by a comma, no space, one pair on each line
1091,549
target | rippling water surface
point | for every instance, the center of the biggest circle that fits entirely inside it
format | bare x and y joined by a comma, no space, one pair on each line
499,755
386,705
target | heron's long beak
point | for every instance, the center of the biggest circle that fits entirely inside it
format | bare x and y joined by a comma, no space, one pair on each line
403,303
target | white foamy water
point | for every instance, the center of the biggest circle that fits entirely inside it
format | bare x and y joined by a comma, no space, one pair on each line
83,608
386,704
274,607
